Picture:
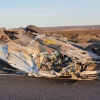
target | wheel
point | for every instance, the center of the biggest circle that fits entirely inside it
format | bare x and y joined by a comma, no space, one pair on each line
34,29
95,48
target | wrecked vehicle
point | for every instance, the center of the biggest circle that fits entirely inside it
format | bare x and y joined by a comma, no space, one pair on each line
28,51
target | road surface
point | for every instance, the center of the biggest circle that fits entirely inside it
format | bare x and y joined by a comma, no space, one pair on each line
29,88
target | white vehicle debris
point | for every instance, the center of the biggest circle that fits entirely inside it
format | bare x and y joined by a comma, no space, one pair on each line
28,51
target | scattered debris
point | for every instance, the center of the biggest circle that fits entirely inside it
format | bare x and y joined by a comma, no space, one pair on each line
28,51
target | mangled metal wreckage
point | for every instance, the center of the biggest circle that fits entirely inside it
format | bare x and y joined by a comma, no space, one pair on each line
28,51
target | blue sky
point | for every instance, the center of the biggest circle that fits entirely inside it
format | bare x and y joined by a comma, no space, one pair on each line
45,13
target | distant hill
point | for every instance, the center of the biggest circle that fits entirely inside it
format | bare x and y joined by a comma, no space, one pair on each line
70,28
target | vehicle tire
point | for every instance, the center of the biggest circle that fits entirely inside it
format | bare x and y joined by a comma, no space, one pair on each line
95,48
33,29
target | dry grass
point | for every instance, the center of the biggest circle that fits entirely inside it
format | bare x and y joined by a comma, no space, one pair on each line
80,36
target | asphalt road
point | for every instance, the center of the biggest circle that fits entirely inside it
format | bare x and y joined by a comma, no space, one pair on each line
29,88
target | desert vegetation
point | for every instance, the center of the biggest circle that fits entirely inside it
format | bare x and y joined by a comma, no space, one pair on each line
87,36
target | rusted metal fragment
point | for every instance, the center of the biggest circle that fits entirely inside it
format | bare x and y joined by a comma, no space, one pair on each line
1,32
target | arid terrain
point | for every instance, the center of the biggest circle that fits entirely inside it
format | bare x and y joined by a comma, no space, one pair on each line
87,34
71,28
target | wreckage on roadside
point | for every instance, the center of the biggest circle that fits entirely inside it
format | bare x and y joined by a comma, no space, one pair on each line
28,51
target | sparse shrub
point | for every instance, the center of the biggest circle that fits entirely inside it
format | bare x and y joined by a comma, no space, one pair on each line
88,38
